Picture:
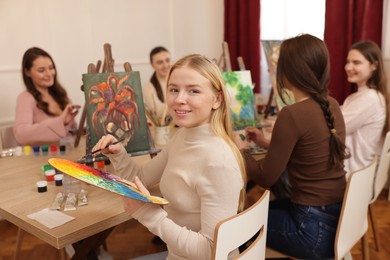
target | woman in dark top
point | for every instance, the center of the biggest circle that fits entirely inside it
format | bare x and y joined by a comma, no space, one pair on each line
307,141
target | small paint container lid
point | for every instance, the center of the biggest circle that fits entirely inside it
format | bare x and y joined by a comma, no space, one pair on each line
42,186
46,167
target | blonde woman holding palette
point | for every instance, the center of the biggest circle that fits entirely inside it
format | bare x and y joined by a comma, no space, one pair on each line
201,171
44,112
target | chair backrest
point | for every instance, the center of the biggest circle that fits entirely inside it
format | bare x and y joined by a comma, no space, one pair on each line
353,217
235,231
382,171
7,138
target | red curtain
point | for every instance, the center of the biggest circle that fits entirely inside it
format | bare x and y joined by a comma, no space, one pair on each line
242,33
347,22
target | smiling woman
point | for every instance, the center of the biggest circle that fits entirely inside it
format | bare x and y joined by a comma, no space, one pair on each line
366,112
191,104
44,113
154,92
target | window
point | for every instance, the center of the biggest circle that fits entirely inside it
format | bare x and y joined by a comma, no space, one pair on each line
281,19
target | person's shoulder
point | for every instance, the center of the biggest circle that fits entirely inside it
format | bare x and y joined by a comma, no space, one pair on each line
373,93
332,100
364,95
148,84
25,96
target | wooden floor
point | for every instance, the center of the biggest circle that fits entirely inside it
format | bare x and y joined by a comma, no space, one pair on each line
132,239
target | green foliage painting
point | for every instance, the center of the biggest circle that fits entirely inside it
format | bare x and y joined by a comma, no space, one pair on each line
242,100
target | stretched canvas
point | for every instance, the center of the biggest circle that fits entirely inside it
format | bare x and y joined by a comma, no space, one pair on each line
271,50
242,100
115,106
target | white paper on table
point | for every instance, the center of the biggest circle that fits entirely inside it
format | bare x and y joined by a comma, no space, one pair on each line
50,218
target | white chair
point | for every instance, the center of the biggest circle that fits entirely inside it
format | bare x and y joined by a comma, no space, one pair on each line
353,223
380,181
233,232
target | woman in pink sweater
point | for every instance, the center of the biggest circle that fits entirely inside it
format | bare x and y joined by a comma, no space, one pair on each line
44,113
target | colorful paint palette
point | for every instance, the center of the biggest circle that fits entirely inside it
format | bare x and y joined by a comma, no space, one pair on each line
103,179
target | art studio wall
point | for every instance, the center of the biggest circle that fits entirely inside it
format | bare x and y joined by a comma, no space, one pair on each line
74,32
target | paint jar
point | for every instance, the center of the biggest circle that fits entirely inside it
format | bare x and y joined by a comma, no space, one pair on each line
18,151
62,149
46,167
35,150
50,174
53,149
42,186
161,135
100,165
68,142
27,150
58,179
45,150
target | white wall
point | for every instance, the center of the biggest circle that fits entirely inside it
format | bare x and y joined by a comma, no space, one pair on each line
74,31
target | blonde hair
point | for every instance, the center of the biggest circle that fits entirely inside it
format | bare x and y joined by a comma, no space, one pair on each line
220,118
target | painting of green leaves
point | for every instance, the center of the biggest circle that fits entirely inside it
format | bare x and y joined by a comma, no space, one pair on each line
242,100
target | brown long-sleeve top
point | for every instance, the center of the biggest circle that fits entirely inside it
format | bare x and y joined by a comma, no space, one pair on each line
300,145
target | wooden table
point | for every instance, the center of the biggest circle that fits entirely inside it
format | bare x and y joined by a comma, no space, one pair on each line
19,197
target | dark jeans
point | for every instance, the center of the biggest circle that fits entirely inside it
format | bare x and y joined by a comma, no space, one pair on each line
305,232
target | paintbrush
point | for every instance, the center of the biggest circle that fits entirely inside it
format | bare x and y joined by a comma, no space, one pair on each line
99,150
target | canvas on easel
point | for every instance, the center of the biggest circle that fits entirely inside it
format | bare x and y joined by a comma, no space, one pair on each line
239,86
242,100
115,106
271,51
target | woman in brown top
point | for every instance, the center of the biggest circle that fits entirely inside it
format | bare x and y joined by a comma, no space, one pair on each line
307,141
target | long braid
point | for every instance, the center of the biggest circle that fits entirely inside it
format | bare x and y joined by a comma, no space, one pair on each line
337,147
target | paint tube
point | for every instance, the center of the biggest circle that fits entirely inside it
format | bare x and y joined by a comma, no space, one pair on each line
70,203
59,199
82,198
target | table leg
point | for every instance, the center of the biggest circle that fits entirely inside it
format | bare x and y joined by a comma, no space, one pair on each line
89,244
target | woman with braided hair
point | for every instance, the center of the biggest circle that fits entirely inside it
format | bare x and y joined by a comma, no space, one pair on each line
308,142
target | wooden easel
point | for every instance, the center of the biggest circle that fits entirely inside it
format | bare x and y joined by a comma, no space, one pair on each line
224,62
108,66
